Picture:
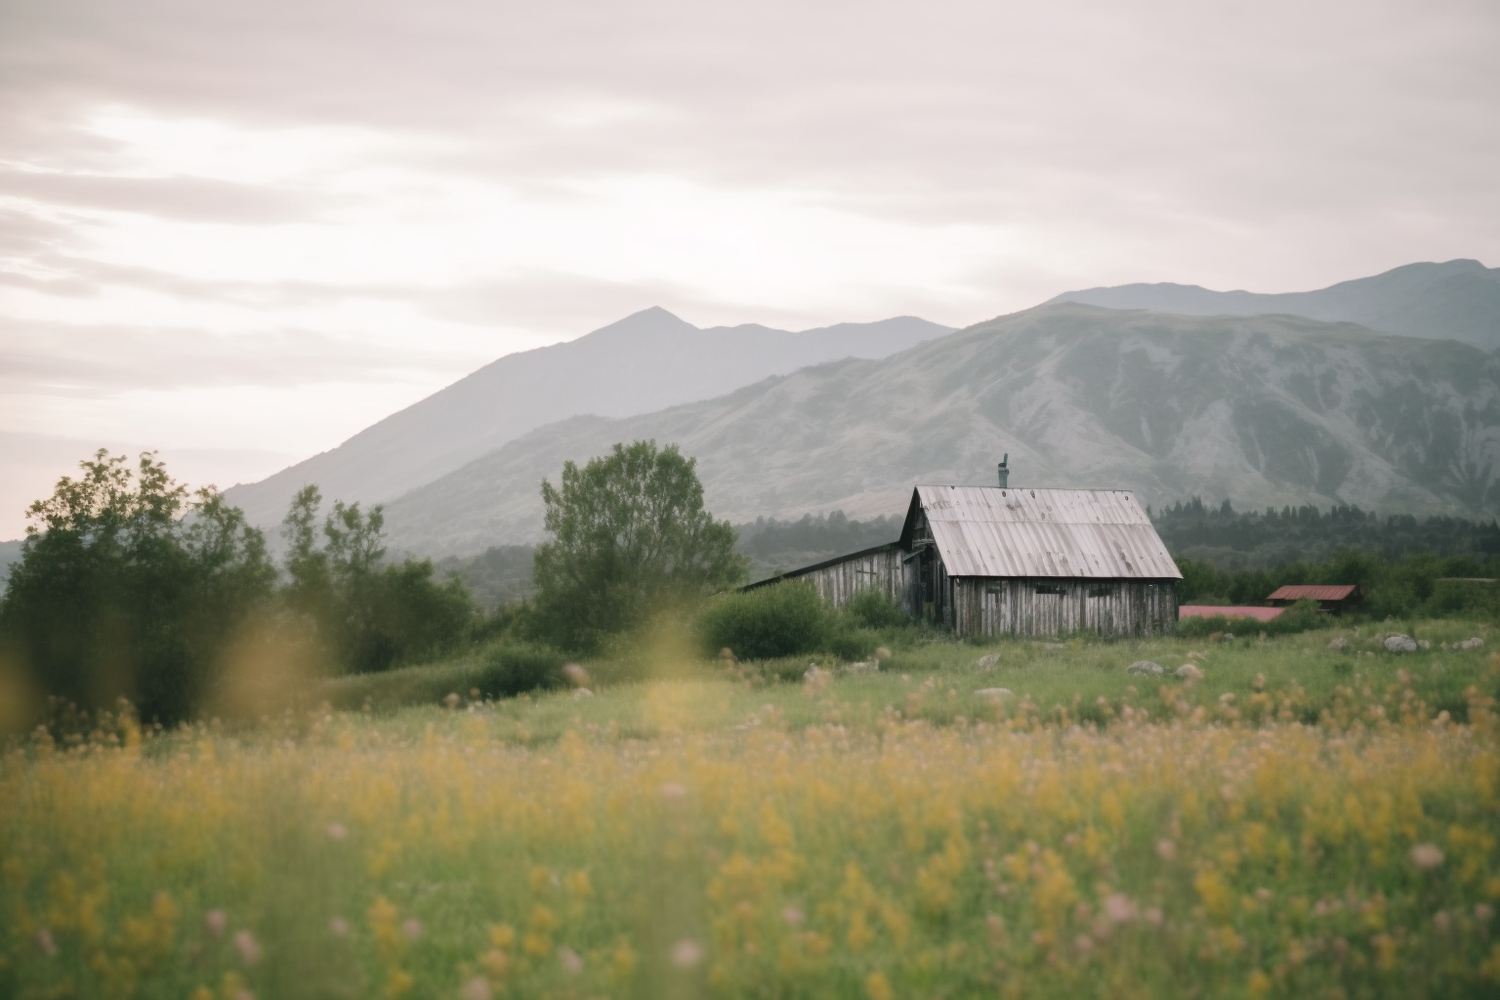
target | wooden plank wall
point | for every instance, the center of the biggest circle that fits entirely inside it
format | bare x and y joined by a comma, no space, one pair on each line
883,570
988,606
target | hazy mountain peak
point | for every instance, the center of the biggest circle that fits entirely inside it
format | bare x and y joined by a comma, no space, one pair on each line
648,360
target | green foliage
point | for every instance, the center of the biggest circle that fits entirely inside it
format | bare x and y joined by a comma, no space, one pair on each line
1264,539
498,576
510,669
371,616
118,594
630,540
1420,584
782,619
873,609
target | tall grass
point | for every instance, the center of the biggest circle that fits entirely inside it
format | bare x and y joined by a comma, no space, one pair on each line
1321,831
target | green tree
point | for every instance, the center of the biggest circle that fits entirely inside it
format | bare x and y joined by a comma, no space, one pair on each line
129,585
369,615
630,539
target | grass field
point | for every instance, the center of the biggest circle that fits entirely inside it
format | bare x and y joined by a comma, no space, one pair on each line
1299,822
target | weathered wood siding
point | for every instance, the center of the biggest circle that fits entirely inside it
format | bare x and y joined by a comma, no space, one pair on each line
884,571
991,606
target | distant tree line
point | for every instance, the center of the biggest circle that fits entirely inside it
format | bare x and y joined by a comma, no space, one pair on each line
1232,540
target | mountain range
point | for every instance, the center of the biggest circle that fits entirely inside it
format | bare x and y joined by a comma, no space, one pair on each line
1456,300
1268,410
643,362
1172,390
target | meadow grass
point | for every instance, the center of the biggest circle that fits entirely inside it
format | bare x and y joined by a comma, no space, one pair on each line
1299,822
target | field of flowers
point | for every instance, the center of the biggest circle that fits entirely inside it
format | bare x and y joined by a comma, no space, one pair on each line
1265,831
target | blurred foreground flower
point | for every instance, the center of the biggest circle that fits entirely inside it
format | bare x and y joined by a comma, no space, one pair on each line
217,921
246,945
336,831
477,988
687,953
1426,856
45,943
575,675
570,960
339,926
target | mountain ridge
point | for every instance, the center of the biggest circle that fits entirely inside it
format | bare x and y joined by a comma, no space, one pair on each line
1264,409
649,359
1453,300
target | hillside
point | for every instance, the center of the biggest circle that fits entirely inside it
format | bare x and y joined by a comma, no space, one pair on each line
642,363
1268,410
1457,300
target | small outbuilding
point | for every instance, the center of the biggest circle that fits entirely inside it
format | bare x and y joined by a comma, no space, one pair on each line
1001,560
1331,599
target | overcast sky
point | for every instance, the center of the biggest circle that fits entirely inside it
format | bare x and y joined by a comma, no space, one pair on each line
241,232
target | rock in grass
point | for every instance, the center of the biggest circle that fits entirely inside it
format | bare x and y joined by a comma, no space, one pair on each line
1398,643
988,661
1188,671
1145,667
862,667
994,692
1339,643
1474,643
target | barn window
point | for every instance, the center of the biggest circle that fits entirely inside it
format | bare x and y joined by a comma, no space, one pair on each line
1049,588
1101,590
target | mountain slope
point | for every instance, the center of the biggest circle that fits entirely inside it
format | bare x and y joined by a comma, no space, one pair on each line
1457,300
644,362
1265,410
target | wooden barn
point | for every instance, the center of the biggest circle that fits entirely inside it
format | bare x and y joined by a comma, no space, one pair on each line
1000,560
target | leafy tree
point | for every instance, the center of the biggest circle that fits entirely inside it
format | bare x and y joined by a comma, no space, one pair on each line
370,616
630,539
129,585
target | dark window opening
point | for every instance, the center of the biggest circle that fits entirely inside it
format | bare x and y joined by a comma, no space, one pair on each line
1101,591
1049,588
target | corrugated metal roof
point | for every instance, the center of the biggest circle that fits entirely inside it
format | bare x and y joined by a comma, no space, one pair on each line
1297,592
1213,611
990,531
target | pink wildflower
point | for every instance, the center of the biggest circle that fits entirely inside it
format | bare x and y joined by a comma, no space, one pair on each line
339,927
412,928
245,944
217,921
45,943
686,953
1426,856
336,831
570,961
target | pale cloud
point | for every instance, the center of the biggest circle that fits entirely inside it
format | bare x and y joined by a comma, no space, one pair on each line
302,216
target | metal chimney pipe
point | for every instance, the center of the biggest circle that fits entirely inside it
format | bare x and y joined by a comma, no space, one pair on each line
1005,471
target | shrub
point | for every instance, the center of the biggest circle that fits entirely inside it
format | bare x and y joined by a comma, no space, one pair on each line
873,609
784,619
853,643
514,668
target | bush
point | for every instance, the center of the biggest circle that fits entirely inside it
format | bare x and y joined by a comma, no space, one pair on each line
853,643
783,619
873,609
514,668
